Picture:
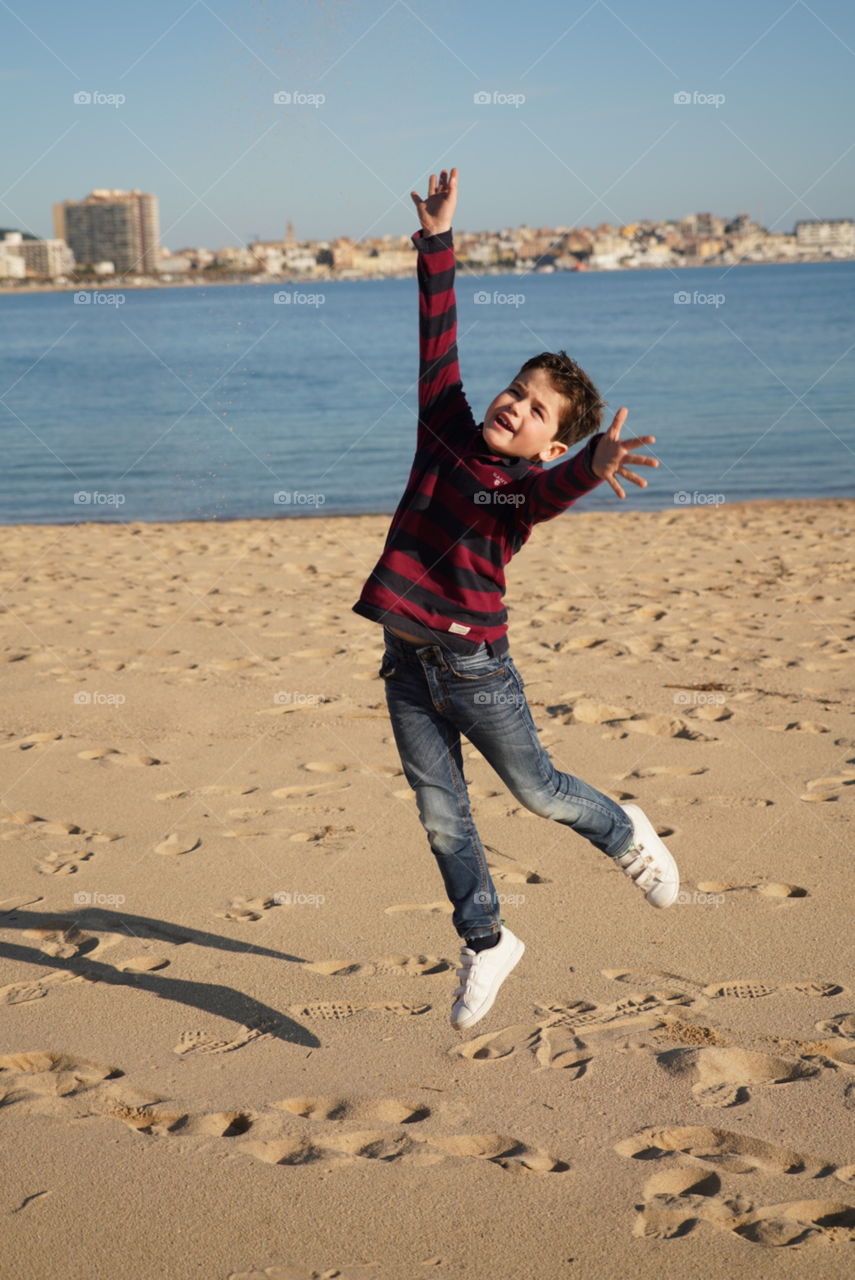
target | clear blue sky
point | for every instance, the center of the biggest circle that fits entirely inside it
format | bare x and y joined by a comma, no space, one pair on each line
598,137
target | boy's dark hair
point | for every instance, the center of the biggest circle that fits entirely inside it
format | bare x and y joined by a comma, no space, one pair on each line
582,410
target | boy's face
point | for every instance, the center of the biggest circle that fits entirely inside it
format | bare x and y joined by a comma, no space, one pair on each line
523,419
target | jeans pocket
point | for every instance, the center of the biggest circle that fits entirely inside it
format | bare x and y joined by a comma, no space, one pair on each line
480,668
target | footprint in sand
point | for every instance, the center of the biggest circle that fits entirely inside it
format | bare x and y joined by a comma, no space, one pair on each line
336,1011
735,990
376,1111
62,942
662,770
560,1038
766,888
831,788
246,910
799,726
33,741
432,908
748,990
111,755
324,766
62,862
386,966
309,792
721,1076
178,842
662,726
37,827
206,791
61,1079
201,1042
507,870
675,1200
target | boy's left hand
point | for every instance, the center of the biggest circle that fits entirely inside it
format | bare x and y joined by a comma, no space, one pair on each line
612,454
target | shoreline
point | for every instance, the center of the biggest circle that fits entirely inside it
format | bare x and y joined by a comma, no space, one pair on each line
620,508
113,285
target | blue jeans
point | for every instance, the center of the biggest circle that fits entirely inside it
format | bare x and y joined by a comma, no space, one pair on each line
433,697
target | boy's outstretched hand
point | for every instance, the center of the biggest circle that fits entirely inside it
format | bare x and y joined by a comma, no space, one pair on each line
437,211
612,454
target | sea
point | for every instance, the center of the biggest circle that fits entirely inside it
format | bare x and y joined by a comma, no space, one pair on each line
294,400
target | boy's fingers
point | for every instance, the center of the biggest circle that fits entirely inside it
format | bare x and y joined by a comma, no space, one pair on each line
618,490
630,475
641,460
636,441
617,422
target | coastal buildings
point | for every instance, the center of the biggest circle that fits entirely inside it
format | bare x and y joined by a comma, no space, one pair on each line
122,227
36,259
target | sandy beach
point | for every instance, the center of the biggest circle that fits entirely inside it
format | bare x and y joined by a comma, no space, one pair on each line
225,1049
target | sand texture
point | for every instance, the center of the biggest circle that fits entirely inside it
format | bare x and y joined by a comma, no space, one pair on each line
227,958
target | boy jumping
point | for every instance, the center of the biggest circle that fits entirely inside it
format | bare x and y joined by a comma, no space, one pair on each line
474,494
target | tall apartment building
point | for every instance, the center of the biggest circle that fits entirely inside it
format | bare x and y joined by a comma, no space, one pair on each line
122,227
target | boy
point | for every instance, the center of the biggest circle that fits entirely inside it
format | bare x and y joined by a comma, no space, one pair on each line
473,495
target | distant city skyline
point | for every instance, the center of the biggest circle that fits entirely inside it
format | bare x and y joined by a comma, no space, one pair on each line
596,112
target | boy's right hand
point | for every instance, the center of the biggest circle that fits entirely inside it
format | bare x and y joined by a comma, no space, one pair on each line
437,211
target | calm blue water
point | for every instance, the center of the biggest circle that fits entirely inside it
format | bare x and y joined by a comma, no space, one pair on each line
203,403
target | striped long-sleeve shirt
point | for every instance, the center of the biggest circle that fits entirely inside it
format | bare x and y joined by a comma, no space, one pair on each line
465,511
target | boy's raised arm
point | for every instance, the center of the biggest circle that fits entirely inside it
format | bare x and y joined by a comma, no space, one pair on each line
439,369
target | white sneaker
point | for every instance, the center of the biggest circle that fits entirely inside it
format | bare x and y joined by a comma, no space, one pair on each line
648,862
481,973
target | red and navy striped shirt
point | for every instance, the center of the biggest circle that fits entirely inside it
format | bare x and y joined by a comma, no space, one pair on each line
465,511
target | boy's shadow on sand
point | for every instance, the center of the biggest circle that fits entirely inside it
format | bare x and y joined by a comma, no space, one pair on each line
223,1002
